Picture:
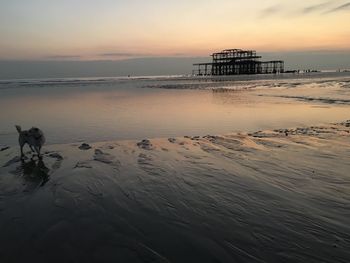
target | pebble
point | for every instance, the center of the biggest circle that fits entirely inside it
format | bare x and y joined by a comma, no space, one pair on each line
172,140
56,156
4,148
85,146
103,157
145,144
82,165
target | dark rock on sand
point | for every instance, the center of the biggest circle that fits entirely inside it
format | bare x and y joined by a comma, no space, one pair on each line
106,158
172,140
85,146
56,156
102,157
83,165
346,123
145,144
4,148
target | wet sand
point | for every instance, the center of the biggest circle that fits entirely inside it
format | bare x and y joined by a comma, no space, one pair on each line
268,196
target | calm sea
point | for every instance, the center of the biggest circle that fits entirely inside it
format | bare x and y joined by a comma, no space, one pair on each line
100,109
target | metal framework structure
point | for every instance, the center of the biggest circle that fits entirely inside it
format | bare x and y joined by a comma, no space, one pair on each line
238,62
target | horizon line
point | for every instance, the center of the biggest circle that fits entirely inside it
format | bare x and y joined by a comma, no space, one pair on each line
69,58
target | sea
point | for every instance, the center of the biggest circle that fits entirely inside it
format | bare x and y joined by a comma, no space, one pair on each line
123,108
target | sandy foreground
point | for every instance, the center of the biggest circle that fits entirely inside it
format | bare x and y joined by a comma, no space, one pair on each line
269,196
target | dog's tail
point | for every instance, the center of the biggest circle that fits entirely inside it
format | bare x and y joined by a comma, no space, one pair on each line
19,129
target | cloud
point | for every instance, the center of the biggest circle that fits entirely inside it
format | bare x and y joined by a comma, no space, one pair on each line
121,54
272,10
139,55
315,8
322,8
343,7
179,54
63,56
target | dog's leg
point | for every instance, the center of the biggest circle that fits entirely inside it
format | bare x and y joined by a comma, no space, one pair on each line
31,147
22,154
40,157
37,149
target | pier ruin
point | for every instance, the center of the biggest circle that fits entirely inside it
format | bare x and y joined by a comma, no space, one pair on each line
237,62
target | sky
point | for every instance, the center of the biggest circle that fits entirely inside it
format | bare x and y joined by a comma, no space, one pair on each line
121,29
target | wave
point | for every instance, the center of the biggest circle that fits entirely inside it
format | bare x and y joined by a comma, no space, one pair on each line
5,84
323,100
242,85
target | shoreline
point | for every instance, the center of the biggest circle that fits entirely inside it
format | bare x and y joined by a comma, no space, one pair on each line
133,142
230,78
313,130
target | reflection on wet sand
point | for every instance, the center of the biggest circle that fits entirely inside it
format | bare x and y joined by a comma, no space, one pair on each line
231,97
34,172
216,198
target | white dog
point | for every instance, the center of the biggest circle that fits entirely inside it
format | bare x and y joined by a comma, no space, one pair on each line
34,137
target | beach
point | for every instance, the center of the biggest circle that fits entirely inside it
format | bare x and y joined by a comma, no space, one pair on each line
175,131
238,171
267,196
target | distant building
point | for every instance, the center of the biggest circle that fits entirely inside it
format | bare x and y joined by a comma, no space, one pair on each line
238,62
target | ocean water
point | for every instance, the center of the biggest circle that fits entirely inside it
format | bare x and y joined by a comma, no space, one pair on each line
101,109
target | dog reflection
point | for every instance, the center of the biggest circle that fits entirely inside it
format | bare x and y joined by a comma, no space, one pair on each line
35,173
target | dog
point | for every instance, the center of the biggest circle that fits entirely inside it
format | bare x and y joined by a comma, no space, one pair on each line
34,137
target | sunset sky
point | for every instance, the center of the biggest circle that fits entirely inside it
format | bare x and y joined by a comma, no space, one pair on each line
119,29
